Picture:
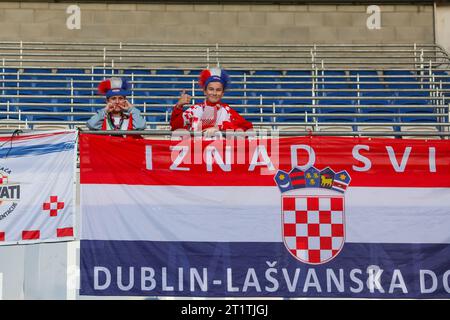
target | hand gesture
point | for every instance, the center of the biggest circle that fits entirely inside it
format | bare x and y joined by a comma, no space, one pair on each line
127,105
109,107
184,99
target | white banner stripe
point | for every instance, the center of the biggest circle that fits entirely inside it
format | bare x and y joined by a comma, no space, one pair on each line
253,214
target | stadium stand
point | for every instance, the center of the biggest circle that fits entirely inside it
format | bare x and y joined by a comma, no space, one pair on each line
405,89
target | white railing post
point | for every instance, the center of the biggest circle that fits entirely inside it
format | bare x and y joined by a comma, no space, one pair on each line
71,95
274,118
260,107
415,55
421,68
21,53
3,77
17,84
207,58
104,62
245,93
193,92
217,55
92,80
358,93
132,88
314,91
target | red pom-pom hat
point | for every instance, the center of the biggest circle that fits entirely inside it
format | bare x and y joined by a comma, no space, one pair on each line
213,75
114,87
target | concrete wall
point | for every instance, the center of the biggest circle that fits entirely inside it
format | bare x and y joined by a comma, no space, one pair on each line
442,26
222,23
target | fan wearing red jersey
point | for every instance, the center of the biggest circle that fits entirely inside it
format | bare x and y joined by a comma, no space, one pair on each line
212,114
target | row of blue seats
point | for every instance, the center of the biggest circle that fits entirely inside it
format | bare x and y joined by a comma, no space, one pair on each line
259,75
253,118
234,101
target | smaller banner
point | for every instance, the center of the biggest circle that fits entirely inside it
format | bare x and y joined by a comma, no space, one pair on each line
37,187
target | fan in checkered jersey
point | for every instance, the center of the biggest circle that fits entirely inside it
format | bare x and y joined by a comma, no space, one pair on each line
313,220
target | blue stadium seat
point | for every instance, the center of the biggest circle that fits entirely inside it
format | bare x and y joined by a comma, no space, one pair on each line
264,83
292,76
386,119
36,108
235,73
292,81
368,79
377,98
169,71
333,118
136,72
74,75
76,71
394,76
442,76
37,70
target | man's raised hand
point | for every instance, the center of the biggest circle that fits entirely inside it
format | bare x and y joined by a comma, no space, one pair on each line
183,100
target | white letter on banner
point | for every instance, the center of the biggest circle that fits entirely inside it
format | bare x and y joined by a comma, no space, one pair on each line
331,278
446,282
373,280
148,158
397,275
165,287
230,287
266,159
130,277
147,278
432,159
184,150
395,165
202,281
356,280
213,153
359,157
434,281
314,283
97,285
311,156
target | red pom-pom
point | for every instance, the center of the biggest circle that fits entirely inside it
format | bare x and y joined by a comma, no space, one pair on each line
204,75
104,87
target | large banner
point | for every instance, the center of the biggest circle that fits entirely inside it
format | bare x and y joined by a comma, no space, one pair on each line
37,176
288,217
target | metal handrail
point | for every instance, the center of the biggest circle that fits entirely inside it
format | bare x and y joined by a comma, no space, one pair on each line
265,133
271,55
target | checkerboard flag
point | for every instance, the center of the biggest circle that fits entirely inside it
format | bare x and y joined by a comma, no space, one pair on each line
341,181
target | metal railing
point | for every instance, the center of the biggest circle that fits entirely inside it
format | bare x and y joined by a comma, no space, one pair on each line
315,97
126,55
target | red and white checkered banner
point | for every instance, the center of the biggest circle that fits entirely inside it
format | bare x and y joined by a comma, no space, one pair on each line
37,173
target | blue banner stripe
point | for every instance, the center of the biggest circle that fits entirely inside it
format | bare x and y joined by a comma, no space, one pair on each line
239,269
40,149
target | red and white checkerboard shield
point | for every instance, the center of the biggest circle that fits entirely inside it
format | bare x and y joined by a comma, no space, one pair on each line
313,227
